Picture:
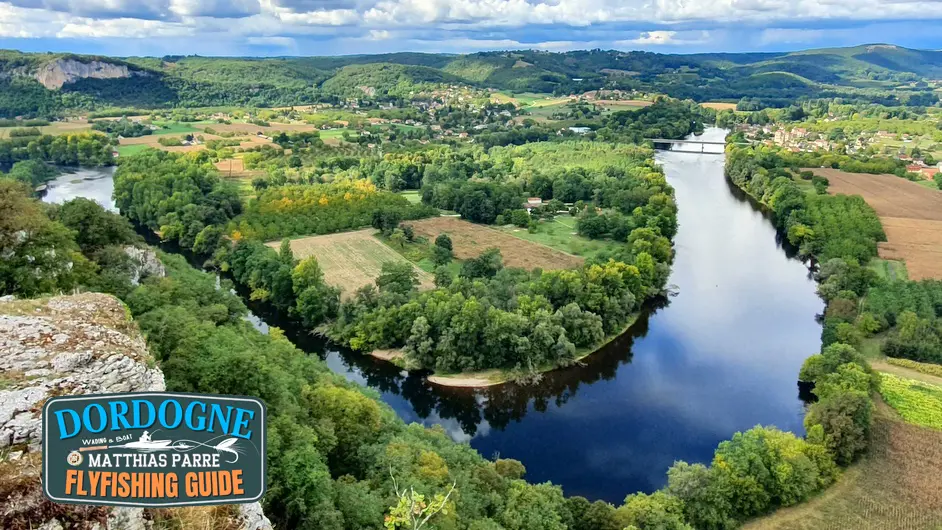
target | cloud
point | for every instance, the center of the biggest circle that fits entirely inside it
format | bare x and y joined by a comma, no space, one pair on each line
655,37
359,26
142,9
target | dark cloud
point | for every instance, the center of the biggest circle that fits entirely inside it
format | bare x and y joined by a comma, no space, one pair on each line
143,9
305,6
219,8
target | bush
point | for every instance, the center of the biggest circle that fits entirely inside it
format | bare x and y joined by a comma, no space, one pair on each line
845,419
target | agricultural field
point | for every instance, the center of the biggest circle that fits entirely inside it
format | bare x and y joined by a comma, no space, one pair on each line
560,233
350,260
716,105
56,128
896,486
918,402
622,104
470,240
911,216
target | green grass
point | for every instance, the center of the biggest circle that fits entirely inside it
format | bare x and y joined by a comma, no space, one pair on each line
412,196
889,269
917,402
560,234
419,252
128,150
333,134
870,347
178,128
931,184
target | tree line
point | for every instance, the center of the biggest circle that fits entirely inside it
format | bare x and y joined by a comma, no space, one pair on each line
81,149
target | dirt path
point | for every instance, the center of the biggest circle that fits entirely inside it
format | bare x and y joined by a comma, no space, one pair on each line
909,373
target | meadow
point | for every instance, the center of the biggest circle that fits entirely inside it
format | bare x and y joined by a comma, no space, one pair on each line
470,240
560,233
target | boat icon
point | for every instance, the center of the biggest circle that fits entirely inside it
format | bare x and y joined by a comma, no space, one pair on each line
145,443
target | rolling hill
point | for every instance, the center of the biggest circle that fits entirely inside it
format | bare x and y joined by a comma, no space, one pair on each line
37,84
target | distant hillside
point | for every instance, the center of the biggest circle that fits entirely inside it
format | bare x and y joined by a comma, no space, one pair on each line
32,84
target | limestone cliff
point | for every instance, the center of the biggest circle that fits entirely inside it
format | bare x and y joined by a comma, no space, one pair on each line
56,73
69,345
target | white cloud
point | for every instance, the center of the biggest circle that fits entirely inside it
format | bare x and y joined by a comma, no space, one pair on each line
122,27
655,37
472,24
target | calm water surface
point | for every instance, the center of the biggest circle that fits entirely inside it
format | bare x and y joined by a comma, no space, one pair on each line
721,356
92,183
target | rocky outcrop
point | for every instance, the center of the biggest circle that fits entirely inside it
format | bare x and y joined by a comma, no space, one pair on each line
59,72
144,263
68,345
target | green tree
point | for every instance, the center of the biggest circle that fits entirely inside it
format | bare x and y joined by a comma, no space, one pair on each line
285,253
397,277
846,419
658,511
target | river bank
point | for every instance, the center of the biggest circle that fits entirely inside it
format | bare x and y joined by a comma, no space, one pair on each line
491,378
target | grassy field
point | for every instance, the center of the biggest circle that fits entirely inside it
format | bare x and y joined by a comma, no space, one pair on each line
349,260
889,269
180,128
128,150
470,240
896,486
918,402
59,127
560,233
412,196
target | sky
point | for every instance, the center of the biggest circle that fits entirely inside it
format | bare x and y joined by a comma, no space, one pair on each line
340,27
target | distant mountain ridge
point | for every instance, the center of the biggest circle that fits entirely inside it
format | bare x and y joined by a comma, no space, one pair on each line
875,71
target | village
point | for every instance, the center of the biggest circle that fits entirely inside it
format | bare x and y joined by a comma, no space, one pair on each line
903,146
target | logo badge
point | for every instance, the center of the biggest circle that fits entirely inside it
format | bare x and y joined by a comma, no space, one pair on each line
153,449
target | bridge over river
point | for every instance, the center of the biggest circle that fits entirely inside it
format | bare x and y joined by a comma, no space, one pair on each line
681,146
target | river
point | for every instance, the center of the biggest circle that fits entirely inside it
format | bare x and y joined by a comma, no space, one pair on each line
721,356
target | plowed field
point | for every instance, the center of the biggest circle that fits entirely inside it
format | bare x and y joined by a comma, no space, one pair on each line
911,217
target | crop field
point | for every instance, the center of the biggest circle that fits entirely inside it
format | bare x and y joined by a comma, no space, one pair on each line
350,260
911,216
917,402
896,486
718,106
56,128
251,129
622,104
470,240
